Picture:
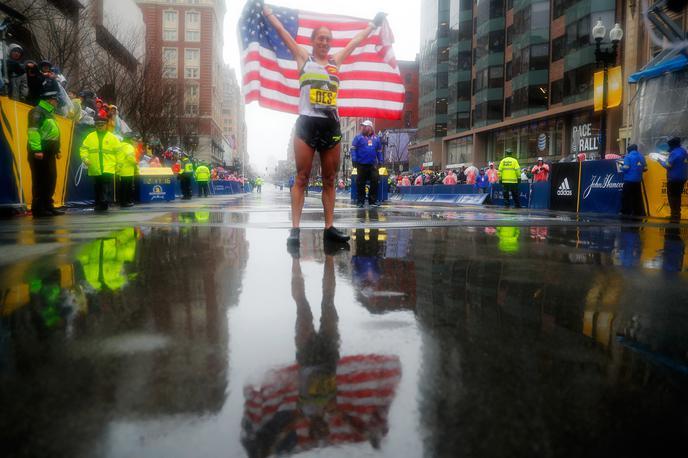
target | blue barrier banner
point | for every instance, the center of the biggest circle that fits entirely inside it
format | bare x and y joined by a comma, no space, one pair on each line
471,199
539,195
601,187
382,190
222,187
497,194
236,187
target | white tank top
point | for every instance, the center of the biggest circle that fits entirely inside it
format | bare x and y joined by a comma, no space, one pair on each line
319,86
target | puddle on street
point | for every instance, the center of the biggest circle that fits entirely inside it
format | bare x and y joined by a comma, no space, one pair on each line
198,339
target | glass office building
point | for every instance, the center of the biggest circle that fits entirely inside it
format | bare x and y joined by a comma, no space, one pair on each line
508,73
434,69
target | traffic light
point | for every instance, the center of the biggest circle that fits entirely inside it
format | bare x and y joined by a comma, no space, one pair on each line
676,5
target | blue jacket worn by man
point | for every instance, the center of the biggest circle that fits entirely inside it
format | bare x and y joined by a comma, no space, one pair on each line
366,150
677,164
482,181
633,166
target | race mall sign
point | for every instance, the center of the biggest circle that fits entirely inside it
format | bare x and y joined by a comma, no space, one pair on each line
584,139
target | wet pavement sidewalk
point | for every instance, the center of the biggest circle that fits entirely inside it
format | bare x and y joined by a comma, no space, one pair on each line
187,329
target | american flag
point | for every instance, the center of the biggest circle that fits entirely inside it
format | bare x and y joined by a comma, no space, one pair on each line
365,388
370,85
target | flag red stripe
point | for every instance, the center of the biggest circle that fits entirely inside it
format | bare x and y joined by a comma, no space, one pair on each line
271,64
271,84
341,42
360,377
384,77
375,113
270,103
334,26
370,94
366,57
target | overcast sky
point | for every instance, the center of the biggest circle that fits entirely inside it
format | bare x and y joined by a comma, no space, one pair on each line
268,130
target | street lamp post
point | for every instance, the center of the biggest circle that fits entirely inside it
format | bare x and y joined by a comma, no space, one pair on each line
605,57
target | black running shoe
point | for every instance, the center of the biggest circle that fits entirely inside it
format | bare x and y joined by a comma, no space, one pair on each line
331,234
294,236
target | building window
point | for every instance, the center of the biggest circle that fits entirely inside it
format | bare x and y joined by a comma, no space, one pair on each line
408,78
408,97
192,26
557,92
192,63
170,25
191,99
169,62
559,8
558,48
460,150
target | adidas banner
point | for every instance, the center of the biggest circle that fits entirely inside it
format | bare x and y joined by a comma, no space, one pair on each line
564,186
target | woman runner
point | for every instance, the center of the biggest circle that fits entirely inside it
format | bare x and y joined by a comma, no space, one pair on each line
317,128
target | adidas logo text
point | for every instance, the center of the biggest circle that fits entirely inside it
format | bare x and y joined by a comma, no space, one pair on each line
564,188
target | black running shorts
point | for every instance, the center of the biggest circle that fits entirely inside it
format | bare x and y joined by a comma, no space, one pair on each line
320,134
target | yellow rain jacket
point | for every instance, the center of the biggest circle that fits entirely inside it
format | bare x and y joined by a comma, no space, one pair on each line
100,156
126,160
509,170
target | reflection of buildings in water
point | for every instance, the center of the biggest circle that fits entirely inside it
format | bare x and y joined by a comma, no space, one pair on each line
136,326
520,354
383,283
324,399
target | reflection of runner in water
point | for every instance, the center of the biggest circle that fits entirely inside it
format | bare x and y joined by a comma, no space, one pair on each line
317,353
322,400
317,128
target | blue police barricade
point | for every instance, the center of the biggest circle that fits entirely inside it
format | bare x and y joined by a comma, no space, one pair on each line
222,187
601,187
539,195
497,194
235,186
382,190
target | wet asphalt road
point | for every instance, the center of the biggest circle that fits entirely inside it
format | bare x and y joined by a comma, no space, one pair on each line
188,330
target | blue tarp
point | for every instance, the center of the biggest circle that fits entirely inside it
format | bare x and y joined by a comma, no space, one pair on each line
677,63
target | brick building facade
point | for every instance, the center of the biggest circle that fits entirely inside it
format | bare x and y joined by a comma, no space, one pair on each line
185,37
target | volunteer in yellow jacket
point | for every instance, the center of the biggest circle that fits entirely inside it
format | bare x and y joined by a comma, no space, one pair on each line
99,152
202,174
509,177
126,169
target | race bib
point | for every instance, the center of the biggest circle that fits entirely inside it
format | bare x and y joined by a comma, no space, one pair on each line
323,97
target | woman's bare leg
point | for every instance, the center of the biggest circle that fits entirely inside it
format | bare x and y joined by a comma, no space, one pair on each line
330,163
303,155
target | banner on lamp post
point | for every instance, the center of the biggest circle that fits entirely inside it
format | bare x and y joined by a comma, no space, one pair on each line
614,88
599,90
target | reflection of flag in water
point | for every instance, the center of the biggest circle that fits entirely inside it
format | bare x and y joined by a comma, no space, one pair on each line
274,419
371,84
